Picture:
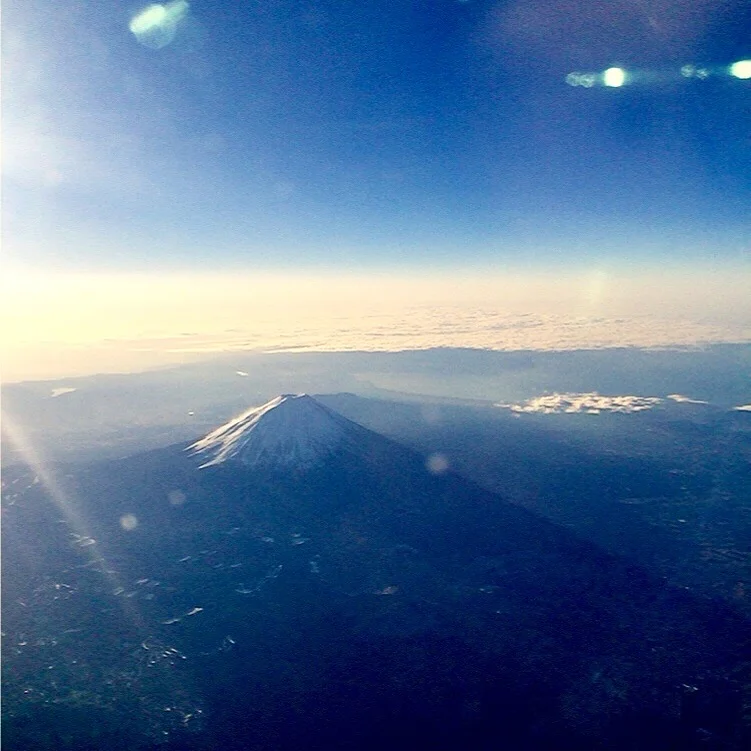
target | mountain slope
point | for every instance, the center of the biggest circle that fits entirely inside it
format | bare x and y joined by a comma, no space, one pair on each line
299,580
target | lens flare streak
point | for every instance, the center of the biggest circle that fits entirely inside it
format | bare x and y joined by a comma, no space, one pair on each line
616,77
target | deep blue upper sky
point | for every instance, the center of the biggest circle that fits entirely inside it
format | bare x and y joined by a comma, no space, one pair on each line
376,132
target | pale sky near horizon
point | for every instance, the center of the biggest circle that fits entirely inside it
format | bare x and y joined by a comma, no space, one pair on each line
194,177
60,325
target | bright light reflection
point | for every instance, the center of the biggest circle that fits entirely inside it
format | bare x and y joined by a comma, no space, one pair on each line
156,25
614,77
741,69
147,19
128,522
437,464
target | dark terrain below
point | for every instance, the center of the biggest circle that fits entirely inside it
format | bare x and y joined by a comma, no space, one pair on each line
368,603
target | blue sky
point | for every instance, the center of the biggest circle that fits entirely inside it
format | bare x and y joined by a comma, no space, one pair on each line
374,134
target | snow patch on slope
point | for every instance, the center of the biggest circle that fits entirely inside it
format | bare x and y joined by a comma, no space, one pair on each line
681,399
62,390
293,430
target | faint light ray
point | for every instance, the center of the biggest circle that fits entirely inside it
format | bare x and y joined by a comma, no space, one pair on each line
177,686
595,287
23,445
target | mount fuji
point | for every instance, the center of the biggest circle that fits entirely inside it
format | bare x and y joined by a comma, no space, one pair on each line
294,580
291,431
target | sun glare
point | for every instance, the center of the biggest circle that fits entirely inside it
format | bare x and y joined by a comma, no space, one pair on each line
741,69
614,77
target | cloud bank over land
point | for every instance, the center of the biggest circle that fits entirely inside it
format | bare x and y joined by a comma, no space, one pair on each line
60,326
409,328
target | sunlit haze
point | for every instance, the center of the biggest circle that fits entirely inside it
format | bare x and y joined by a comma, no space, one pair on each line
60,325
185,178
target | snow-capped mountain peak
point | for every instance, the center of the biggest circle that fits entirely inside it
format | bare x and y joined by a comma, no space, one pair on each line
293,430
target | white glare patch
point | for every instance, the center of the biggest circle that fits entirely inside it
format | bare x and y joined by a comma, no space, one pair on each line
741,69
128,522
176,497
614,77
687,71
437,464
156,25
147,19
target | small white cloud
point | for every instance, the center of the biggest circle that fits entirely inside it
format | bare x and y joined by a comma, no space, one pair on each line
685,399
590,403
62,390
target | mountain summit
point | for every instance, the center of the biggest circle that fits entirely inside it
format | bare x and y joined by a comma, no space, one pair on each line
293,430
